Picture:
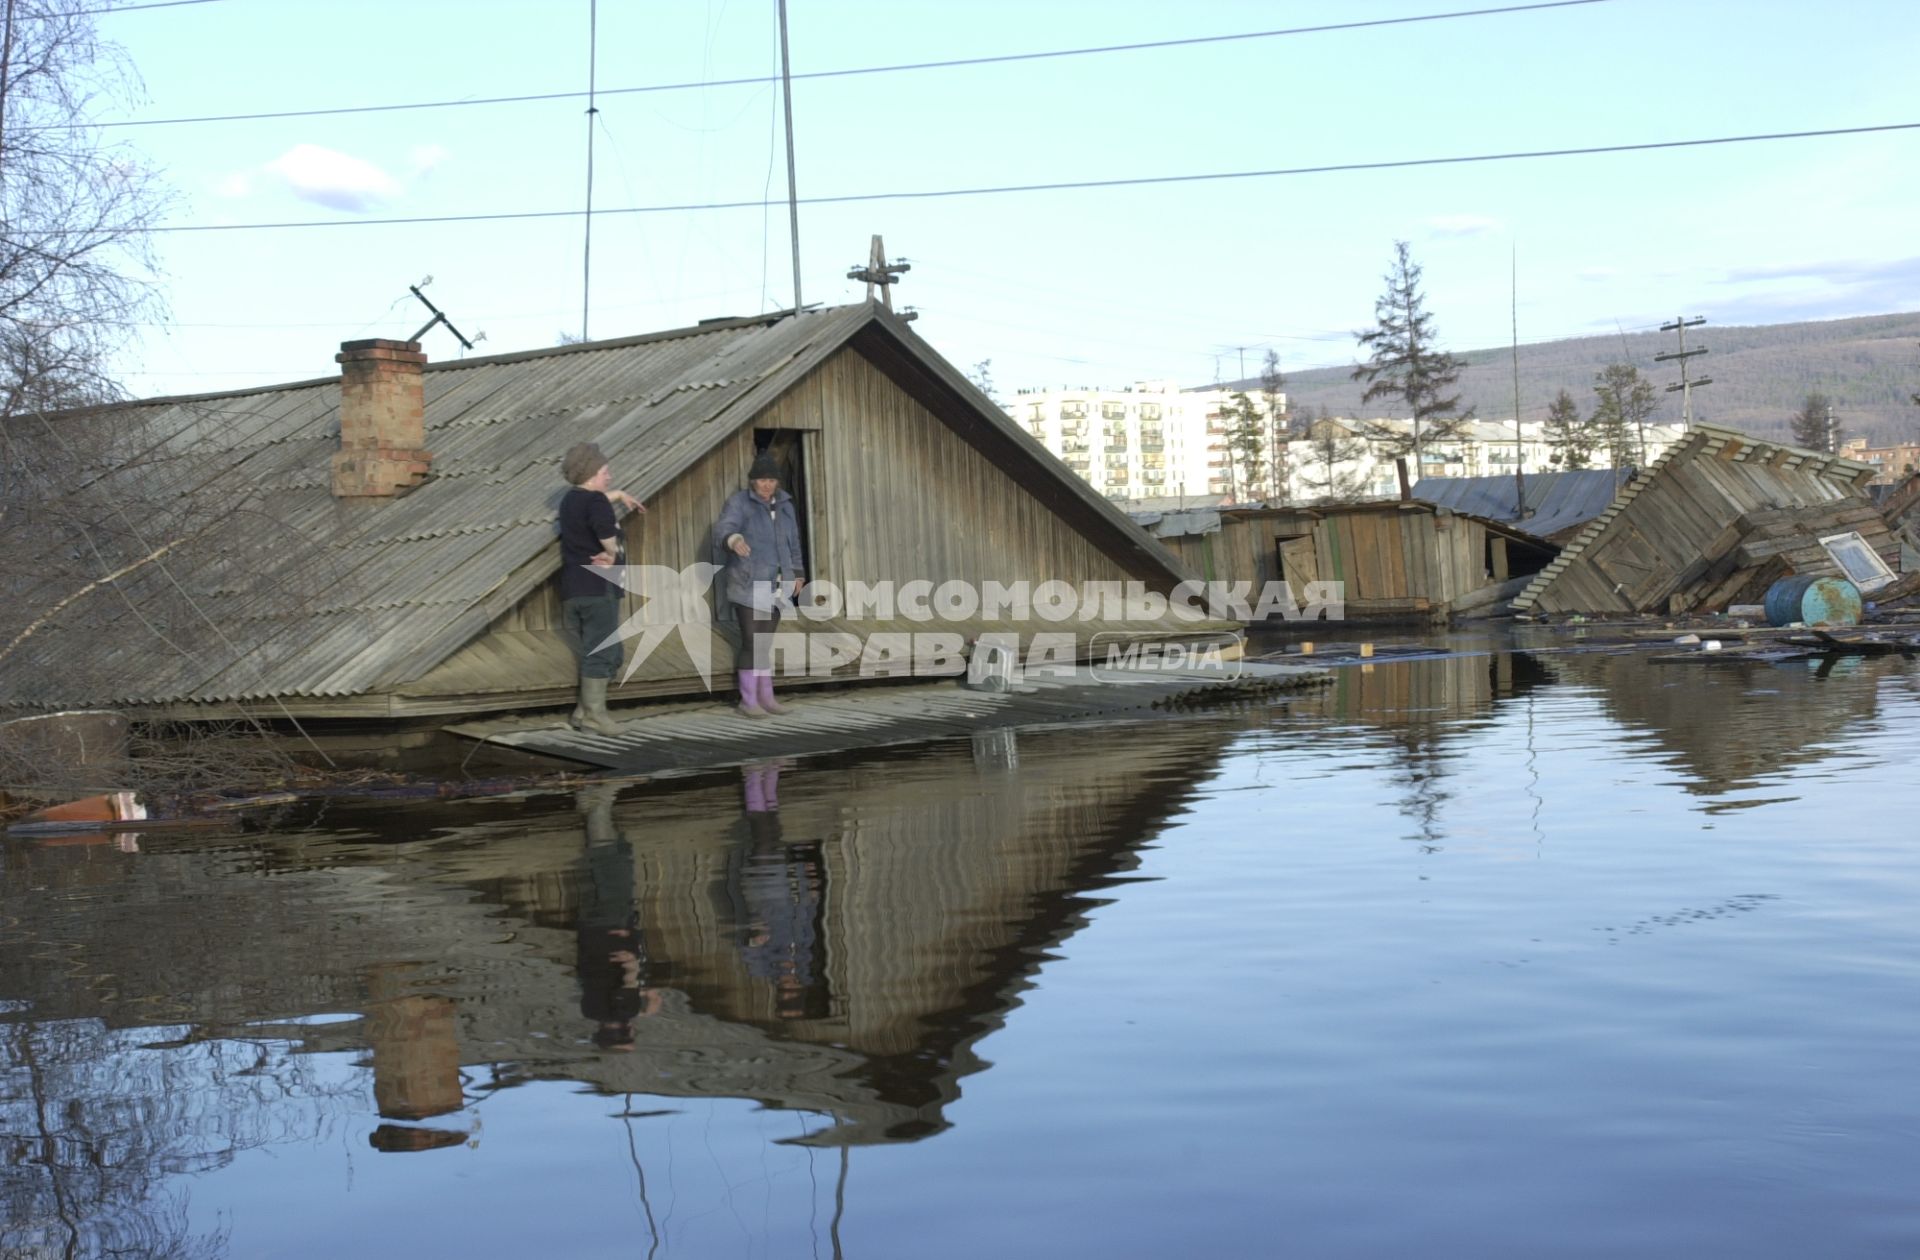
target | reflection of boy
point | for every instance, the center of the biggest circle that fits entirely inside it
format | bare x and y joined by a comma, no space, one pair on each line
610,962
610,952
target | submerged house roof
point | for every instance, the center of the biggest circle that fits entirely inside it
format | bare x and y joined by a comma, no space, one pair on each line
230,571
1557,503
1715,519
1199,521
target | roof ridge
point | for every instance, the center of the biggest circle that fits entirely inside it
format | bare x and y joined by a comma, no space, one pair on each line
512,356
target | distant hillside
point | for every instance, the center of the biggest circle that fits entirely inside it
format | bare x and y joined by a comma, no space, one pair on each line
1869,367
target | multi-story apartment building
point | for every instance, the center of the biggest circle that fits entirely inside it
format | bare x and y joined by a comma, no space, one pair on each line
1894,462
1155,441
1150,440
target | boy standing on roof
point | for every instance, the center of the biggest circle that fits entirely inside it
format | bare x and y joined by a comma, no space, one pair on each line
589,601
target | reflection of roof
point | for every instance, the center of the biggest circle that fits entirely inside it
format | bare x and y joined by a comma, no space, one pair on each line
949,880
1556,501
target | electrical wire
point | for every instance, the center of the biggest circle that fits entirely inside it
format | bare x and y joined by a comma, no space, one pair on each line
129,8
1061,185
904,67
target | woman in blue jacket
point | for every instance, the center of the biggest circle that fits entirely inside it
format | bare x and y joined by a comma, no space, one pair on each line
760,529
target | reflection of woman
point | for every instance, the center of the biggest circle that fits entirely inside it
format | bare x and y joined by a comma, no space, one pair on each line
780,894
760,529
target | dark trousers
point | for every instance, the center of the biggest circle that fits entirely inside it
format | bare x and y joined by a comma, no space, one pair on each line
586,622
756,637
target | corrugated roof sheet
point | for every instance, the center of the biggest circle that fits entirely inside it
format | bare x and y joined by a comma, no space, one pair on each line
278,588
1556,501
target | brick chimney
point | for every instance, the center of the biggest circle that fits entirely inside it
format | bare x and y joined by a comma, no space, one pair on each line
383,432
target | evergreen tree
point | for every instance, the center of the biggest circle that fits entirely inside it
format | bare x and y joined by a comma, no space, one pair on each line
1405,364
1331,447
1246,433
1810,424
1273,399
1624,403
1568,432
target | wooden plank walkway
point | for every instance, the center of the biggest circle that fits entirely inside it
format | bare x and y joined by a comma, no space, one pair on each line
681,738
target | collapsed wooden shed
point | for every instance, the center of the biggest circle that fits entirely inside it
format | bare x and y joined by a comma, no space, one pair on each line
1714,521
1396,560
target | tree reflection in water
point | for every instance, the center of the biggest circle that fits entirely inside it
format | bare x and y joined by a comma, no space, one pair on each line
96,1128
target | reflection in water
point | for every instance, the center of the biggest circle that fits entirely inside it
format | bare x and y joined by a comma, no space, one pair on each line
611,954
99,1126
1427,712
1730,728
778,890
832,941
839,952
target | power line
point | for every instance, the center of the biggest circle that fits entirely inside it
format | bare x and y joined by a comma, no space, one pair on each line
1060,186
948,64
129,8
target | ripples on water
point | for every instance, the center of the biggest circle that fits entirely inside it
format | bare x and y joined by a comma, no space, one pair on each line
1512,955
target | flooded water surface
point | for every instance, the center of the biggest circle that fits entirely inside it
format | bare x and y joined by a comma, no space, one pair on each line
1522,954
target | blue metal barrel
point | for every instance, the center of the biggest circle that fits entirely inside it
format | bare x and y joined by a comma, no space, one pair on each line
1816,601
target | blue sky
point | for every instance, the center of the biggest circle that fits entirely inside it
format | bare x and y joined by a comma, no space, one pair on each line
1081,286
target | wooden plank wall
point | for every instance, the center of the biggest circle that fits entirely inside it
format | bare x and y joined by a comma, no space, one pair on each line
900,496
1394,554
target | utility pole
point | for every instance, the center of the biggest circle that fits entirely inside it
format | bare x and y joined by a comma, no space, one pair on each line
879,272
1519,435
586,250
1686,386
1833,432
1241,380
793,186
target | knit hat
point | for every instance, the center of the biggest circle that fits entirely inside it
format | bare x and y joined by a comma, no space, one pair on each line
582,460
764,465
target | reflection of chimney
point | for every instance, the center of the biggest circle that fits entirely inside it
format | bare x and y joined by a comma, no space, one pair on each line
416,1057
383,432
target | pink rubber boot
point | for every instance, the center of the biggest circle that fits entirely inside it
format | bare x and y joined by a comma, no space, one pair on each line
750,694
765,693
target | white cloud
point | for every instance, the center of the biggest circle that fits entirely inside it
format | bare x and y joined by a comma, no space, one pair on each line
337,180
238,184
1460,225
